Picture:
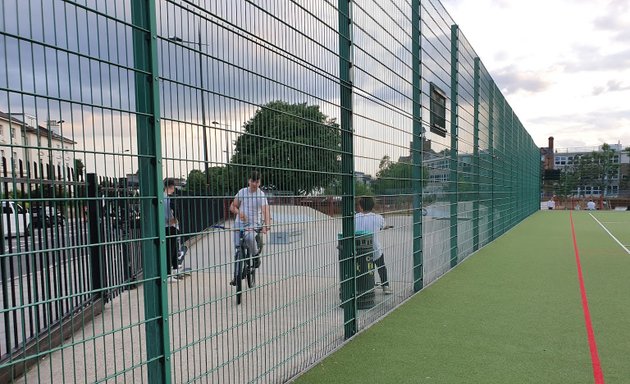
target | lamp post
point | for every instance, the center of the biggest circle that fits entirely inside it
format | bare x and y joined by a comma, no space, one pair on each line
203,101
227,143
49,125
60,122
121,161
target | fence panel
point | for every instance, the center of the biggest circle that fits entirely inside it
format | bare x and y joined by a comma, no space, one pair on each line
130,132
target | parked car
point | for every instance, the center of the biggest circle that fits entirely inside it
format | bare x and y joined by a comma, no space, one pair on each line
15,219
46,216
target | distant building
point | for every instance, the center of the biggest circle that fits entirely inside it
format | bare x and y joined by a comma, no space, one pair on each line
33,151
363,178
546,155
558,160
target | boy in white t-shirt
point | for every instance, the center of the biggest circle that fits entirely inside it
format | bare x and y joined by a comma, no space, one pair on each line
366,220
247,205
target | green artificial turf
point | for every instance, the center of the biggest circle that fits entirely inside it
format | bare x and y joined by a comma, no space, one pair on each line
511,313
606,270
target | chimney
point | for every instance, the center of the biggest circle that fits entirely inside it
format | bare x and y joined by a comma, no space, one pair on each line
549,158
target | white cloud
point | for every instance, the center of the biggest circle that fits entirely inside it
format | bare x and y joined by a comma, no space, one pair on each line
564,65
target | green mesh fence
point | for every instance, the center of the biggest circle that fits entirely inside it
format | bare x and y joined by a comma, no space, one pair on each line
386,155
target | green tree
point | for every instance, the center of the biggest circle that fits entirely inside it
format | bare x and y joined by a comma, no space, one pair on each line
196,183
569,181
395,178
295,146
598,169
360,188
624,184
226,181
79,167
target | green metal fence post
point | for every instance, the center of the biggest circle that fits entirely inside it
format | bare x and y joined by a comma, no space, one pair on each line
492,156
95,234
454,127
150,177
416,146
502,162
476,86
347,251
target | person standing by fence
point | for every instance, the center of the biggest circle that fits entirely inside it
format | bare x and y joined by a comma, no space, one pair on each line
366,220
170,222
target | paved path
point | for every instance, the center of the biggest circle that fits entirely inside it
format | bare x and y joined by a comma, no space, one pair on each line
290,320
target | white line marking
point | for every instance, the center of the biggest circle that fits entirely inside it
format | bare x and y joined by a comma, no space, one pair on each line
611,235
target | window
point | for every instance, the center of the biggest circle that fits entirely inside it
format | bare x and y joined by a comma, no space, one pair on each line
561,160
13,133
438,111
1,130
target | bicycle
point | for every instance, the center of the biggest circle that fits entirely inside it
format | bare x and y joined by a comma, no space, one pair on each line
245,265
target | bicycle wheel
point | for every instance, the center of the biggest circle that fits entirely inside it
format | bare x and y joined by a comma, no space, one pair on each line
251,276
239,289
239,281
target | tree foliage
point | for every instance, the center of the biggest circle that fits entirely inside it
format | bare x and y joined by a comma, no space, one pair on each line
79,168
360,188
625,173
394,177
597,169
196,183
295,147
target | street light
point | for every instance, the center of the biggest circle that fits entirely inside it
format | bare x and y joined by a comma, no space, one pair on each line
227,143
121,161
203,102
49,125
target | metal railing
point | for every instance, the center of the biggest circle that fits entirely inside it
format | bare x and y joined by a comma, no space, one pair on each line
330,101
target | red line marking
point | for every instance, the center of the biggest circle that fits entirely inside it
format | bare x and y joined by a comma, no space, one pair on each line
597,367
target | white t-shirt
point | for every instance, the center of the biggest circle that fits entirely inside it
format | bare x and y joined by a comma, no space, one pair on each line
251,204
551,204
590,205
371,222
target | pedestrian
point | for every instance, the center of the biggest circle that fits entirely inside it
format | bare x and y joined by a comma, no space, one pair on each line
366,220
171,228
551,204
590,205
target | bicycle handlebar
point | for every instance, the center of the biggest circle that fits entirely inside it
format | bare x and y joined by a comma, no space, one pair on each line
257,230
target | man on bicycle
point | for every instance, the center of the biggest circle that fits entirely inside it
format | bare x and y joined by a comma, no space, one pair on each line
248,203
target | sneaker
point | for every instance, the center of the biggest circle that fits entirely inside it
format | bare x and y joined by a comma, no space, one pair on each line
182,252
387,290
172,279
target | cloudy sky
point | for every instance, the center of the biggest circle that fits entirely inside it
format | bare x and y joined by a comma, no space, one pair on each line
563,65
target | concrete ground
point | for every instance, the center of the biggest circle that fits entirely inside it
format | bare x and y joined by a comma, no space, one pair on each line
287,322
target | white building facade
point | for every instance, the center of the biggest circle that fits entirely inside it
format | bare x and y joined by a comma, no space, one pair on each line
29,152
